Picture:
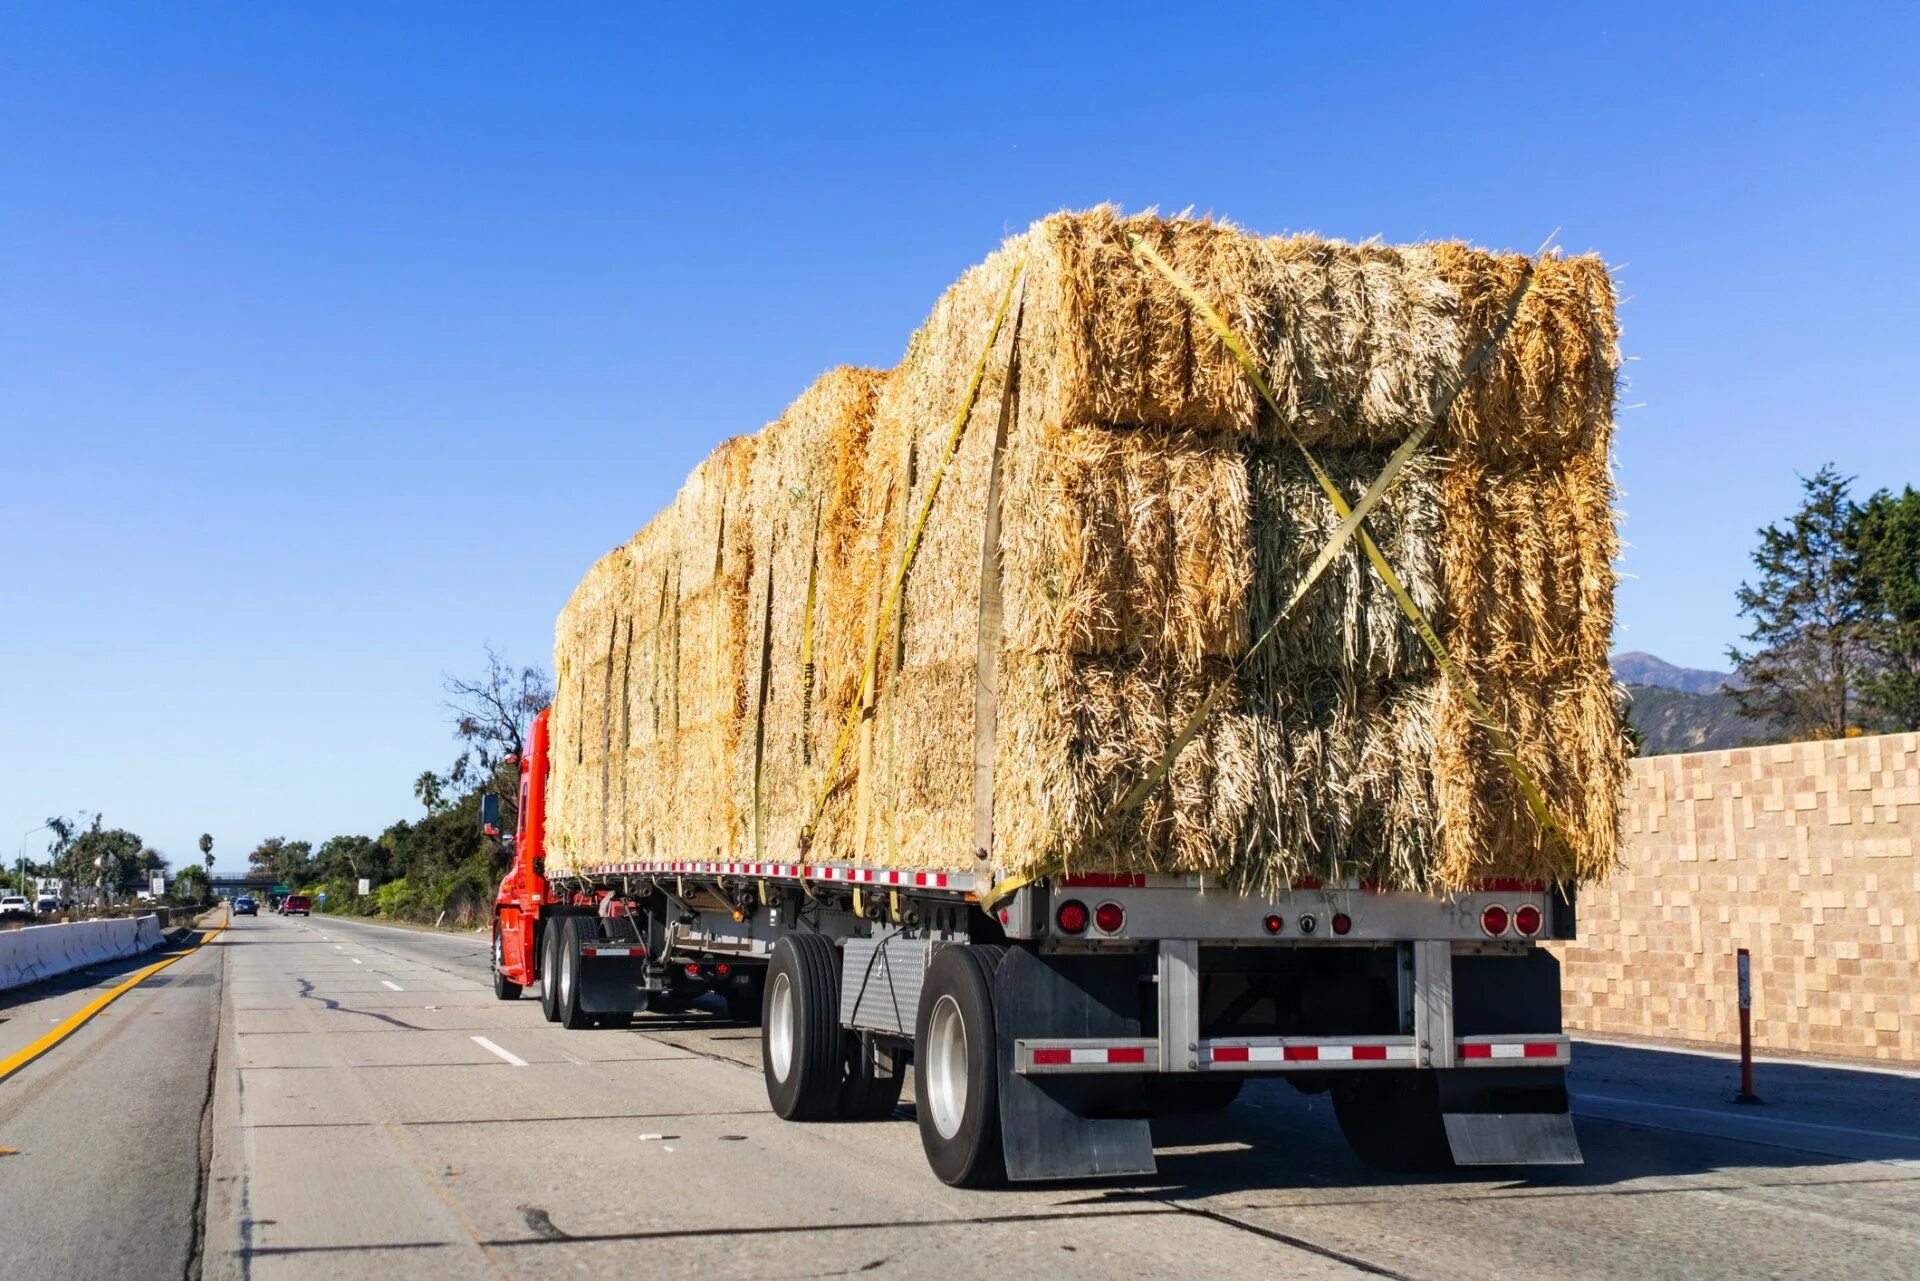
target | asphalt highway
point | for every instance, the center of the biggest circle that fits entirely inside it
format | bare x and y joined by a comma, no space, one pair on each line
325,1098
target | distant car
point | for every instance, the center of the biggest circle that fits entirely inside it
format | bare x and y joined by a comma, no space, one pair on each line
244,906
46,905
15,905
296,905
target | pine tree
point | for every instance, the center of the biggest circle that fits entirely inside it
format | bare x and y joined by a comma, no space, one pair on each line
1884,537
1809,622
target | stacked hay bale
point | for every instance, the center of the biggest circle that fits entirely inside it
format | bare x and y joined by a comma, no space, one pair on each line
1151,516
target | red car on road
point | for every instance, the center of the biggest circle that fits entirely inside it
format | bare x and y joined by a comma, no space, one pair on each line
296,905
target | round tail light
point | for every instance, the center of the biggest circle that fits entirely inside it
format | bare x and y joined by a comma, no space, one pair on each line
1072,917
1527,920
722,969
1342,923
1493,919
1274,924
1108,918
693,970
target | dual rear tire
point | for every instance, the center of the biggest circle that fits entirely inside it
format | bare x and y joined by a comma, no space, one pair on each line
560,943
814,1069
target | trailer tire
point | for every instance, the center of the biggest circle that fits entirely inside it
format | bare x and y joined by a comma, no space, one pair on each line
567,968
549,983
1392,1120
800,1039
504,989
956,1077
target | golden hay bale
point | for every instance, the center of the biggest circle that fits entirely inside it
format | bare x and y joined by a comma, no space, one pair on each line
1154,515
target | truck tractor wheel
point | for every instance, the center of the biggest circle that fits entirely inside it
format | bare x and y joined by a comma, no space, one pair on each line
956,1076
549,981
503,988
1166,1094
1392,1120
572,928
800,1039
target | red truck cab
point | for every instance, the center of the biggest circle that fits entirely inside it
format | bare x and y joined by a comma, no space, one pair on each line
523,891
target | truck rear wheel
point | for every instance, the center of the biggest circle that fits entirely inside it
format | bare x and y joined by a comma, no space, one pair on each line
956,1078
800,1040
549,980
1392,1120
503,988
567,968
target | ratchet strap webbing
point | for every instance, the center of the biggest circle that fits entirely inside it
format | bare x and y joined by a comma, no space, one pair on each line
1351,518
954,436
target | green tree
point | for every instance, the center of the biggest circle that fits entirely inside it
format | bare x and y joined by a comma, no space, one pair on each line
1808,620
288,862
189,884
106,857
1884,538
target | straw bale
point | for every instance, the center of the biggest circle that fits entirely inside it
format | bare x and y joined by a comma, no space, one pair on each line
1154,516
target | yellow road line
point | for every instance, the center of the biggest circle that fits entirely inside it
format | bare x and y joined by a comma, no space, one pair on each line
79,1019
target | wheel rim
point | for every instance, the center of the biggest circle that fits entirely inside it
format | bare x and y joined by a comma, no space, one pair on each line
946,1051
499,954
566,971
780,1027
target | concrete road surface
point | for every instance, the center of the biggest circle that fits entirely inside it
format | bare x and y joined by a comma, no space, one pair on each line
375,1112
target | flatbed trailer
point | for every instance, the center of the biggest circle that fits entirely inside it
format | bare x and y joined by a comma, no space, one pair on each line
1047,1021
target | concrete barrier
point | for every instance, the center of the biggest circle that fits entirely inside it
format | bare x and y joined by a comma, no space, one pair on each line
42,951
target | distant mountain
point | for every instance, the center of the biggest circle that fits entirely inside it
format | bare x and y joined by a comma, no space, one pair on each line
1674,720
1637,668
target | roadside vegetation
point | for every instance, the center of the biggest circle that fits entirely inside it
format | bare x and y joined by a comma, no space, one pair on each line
437,867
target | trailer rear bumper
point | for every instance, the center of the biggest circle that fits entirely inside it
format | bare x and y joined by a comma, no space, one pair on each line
1060,1055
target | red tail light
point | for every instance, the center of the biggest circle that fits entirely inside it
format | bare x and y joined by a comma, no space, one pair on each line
1342,922
693,970
1072,917
1493,919
1109,918
1274,924
722,969
1527,920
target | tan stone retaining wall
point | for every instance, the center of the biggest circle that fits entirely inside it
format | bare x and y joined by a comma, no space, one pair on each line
1806,853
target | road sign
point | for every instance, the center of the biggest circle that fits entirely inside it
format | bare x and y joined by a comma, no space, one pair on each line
157,884
366,886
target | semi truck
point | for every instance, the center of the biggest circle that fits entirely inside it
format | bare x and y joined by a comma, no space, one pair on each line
1044,1022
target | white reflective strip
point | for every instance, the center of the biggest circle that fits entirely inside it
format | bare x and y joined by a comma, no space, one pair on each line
1336,1054
1511,1051
1087,1056
1404,1052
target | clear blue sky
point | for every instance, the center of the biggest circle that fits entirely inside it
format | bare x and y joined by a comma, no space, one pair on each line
336,340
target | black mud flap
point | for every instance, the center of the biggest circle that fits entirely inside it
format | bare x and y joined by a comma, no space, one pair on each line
1508,1116
1069,1127
613,984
